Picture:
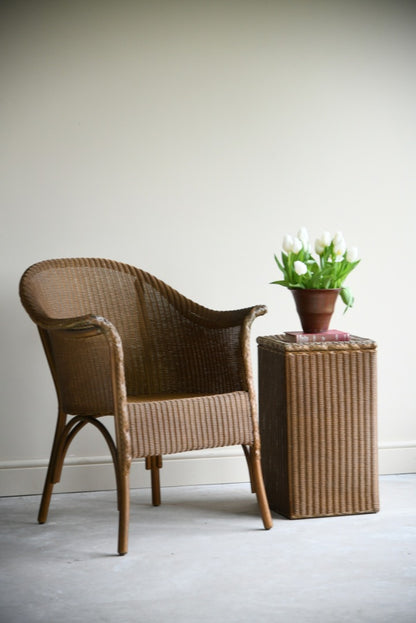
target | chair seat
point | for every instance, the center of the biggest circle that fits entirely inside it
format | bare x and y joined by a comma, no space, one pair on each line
165,424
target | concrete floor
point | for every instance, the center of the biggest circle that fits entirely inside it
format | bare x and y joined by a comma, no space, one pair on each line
203,557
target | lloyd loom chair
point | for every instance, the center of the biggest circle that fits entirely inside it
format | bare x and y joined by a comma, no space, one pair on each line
176,376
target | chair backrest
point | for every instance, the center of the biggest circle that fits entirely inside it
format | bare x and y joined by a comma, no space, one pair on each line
164,349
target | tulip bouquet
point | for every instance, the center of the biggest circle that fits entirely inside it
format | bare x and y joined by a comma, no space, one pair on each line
334,263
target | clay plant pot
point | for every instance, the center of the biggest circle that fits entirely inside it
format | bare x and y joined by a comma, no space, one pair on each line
315,308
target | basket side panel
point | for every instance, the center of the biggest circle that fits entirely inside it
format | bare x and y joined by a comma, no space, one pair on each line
273,428
332,433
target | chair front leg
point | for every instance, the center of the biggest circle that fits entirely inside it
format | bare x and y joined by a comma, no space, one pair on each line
123,495
257,484
247,454
260,489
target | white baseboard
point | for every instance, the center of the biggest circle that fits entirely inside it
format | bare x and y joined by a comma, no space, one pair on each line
397,458
220,466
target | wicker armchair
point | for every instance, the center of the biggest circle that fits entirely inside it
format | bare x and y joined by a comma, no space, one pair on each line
176,376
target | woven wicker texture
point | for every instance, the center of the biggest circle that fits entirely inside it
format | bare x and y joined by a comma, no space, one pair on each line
193,423
318,426
175,375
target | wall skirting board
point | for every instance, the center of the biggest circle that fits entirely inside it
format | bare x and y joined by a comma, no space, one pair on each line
219,466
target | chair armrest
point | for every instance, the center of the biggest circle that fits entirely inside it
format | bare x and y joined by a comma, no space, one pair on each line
80,324
209,352
63,337
211,318
85,354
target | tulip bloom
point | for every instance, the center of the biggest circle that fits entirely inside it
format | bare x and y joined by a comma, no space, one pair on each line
339,246
338,238
297,245
352,254
287,243
322,242
304,237
300,268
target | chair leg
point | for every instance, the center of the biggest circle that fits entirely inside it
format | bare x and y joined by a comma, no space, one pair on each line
45,501
257,484
123,495
247,454
154,464
260,490
51,478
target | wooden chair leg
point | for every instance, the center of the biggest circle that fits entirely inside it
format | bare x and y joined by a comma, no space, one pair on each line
154,464
45,501
247,454
51,475
123,496
260,490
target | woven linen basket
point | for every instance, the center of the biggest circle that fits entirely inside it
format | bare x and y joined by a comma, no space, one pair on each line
317,407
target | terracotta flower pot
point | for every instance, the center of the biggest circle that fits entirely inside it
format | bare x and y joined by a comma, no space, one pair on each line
315,308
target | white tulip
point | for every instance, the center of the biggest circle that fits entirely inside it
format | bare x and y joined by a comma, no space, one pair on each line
339,246
326,238
322,242
338,239
300,268
339,249
352,254
297,245
304,237
287,243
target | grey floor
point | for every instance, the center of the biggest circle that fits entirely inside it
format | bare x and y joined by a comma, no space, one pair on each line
203,557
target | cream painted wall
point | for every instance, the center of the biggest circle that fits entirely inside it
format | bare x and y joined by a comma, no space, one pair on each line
187,138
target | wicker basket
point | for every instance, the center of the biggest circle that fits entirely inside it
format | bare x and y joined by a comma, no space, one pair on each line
318,426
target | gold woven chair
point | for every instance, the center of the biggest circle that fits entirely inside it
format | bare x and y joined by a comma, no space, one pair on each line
176,376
